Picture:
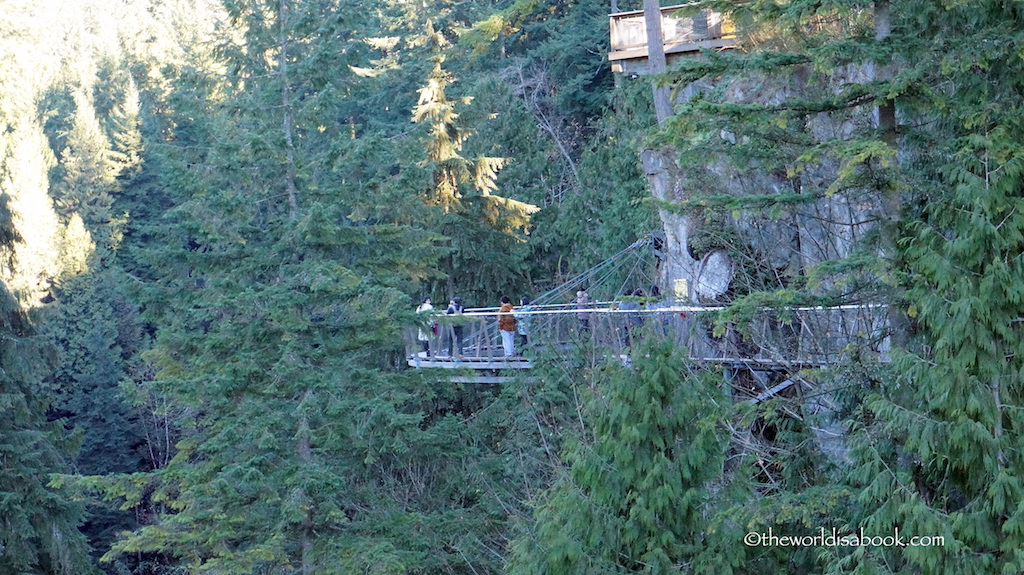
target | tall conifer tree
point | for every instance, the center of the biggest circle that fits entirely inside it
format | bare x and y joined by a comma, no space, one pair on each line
938,451
485,230
636,497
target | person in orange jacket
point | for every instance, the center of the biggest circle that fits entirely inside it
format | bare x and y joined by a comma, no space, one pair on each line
507,326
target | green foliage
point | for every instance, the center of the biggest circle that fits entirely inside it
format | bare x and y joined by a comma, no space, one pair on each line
39,531
931,438
503,23
485,232
298,444
275,208
634,497
950,414
736,204
96,330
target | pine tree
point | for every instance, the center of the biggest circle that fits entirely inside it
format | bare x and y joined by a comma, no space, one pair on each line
637,494
485,230
39,532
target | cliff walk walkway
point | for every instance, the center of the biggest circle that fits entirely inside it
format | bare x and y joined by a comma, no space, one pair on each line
780,341
788,339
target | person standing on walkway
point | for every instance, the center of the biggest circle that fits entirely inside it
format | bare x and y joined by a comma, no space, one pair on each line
636,319
661,320
583,302
523,322
507,326
424,335
632,320
455,308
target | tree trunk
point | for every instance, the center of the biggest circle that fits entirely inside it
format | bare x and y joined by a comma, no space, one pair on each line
286,106
656,58
677,272
305,450
899,323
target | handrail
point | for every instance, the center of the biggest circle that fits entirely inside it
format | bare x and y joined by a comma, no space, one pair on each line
814,335
628,29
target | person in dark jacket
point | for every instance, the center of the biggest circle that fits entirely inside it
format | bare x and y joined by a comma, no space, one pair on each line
523,322
632,320
455,308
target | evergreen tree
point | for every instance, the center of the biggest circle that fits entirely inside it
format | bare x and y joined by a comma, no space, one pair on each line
86,184
937,447
300,448
39,532
637,492
543,65
484,229
930,437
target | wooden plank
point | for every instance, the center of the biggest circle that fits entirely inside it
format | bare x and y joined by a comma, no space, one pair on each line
673,48
767,394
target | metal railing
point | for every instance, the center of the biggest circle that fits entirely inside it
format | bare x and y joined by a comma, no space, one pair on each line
795,336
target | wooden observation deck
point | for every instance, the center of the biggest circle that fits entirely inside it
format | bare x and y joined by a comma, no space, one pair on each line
683,36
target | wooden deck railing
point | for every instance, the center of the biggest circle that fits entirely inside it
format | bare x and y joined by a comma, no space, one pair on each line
628,31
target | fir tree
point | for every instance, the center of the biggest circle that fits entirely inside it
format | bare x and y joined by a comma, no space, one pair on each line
485,229
637,492
39,532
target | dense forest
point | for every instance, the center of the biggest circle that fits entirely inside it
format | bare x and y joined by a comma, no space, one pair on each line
218,216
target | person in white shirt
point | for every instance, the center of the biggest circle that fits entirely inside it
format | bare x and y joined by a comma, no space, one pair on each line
424,336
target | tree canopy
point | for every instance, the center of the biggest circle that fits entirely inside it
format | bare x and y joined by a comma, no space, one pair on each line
217,217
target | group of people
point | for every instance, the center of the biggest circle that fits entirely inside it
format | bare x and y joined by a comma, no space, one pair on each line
514,321
455,307
632,301
511,321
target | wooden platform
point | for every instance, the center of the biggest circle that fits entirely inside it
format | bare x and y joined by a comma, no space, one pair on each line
683,36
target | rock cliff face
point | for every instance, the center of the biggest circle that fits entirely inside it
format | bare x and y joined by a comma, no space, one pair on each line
782,240
678,270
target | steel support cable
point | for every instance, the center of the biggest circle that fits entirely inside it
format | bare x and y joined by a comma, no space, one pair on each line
579,279
612,264
597,276
606,269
